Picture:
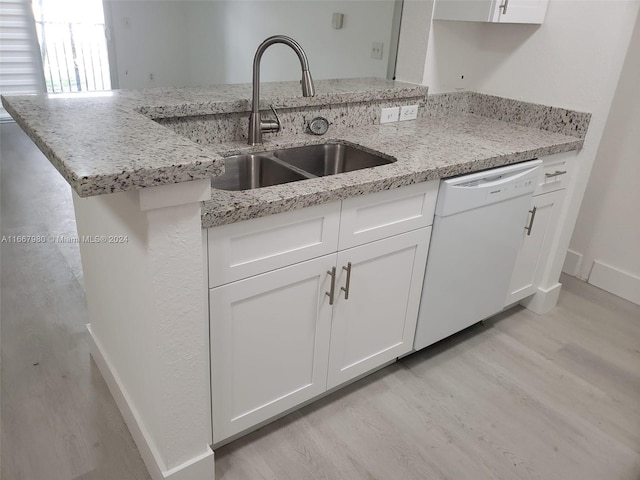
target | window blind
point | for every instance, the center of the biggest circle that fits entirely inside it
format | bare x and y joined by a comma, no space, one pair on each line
20,60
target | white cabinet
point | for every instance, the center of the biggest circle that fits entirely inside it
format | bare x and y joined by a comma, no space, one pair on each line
285,335
536,245
269,344
377,322
556,172
493,11
537,241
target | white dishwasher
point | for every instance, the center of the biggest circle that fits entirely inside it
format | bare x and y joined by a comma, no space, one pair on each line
477,231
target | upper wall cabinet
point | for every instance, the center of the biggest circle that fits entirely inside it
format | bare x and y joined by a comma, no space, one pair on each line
493,11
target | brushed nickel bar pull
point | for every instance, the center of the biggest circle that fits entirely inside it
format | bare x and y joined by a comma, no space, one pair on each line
533,216
504,7
345,289
332,290
555,174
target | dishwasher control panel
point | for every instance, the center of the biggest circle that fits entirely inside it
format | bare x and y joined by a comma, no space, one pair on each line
510,189
483,188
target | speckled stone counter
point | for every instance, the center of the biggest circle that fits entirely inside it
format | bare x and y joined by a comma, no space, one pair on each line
110,142
430,148
107,142
544,117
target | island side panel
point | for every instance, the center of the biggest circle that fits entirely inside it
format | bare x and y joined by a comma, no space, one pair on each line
146,300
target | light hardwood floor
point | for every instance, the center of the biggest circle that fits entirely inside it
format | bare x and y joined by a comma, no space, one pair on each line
519,397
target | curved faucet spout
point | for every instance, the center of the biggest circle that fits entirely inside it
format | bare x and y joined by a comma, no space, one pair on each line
256,126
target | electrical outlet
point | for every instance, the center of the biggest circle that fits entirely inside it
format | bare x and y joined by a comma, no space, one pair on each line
389,115
409,112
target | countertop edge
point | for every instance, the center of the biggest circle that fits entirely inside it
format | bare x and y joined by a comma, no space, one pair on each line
57,163
244,105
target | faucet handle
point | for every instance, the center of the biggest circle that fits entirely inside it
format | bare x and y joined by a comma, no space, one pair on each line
273,109
270,125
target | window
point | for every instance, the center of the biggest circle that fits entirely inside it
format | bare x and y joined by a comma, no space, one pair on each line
72,41
20,68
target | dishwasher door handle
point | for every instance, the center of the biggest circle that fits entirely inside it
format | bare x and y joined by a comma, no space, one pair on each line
492,181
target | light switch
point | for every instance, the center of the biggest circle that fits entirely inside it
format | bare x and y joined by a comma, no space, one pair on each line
336,20
376,50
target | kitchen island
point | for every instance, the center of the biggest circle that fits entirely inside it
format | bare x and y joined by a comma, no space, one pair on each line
135,179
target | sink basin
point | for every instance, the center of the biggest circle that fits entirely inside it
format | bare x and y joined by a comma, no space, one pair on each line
330,158
245,172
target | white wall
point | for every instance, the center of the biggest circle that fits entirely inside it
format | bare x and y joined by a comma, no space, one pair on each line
572,60
144,36
608,226
185,42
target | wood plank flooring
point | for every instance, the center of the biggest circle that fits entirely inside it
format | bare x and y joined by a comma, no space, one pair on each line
519,397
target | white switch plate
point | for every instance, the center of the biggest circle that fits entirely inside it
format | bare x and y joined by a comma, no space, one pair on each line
409,112
336,20
376,50
389,115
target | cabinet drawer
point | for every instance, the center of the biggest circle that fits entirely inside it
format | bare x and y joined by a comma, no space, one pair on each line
556,172
243,249
372,217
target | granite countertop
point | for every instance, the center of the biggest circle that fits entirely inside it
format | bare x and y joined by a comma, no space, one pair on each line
107,142
442,145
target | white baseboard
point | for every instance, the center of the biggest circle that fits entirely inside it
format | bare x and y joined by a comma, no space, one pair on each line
572,263
200,467
616,281
543,300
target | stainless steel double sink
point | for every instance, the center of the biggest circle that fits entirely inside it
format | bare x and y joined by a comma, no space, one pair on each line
246,172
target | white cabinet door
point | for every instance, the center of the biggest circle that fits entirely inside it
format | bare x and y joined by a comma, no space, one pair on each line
520,11
536,245
269,344
517,11
377,322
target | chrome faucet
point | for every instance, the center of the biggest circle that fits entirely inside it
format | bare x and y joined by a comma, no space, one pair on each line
256,125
